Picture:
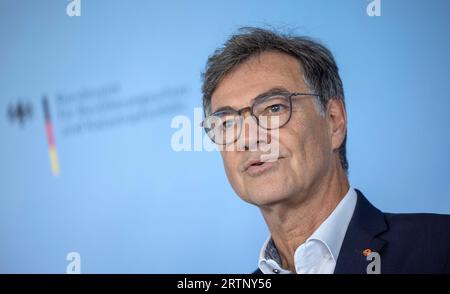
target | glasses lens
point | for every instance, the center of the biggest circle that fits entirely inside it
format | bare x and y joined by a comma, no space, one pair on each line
223,128
272,112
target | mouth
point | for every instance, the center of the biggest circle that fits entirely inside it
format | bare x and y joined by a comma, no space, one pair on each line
257,167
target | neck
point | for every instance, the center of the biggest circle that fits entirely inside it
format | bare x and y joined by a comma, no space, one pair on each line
292,222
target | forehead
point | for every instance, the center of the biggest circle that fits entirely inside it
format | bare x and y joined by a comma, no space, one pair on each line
257,75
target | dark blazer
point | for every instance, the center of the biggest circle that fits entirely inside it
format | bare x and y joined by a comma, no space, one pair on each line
413,243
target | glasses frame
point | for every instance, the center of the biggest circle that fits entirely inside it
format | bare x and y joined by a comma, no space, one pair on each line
240,112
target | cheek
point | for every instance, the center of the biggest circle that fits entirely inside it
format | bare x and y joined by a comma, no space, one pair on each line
306,142
294,143
317,147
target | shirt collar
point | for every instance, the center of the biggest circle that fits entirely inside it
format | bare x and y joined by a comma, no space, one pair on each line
331,233
269,259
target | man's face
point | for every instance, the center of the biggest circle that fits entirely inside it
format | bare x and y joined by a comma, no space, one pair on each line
305,142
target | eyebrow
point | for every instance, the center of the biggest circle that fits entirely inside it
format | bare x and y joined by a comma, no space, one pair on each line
268,93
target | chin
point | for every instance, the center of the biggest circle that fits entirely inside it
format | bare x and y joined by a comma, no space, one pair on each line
266,194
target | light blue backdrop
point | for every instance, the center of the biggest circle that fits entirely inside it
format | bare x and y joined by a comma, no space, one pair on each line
124,199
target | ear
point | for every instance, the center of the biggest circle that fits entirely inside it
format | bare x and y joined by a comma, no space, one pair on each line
337,122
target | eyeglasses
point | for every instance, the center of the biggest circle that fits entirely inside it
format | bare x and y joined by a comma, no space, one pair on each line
271,112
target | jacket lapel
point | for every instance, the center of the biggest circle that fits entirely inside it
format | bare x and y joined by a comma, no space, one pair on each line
366,224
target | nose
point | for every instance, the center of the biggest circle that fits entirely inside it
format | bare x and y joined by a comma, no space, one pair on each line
252,135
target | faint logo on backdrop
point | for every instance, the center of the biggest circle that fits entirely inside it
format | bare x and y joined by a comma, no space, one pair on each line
95,109
19,113
51,142
73,8
22,112
106,107
74,265
374,8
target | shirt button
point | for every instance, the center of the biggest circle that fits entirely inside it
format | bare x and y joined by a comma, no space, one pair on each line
275,271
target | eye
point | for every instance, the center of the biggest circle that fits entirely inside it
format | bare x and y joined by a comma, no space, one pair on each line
228,123
276,108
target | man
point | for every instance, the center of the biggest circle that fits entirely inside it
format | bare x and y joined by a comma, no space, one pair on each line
264,89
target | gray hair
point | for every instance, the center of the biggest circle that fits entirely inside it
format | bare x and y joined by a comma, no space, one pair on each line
321,73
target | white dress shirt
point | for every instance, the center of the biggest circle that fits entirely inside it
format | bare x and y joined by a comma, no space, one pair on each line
319,253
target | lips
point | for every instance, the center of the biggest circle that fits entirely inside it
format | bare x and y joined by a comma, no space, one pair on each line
255,162
255,167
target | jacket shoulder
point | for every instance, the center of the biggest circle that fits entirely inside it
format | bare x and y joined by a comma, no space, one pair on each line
428,226
421,238
414,221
